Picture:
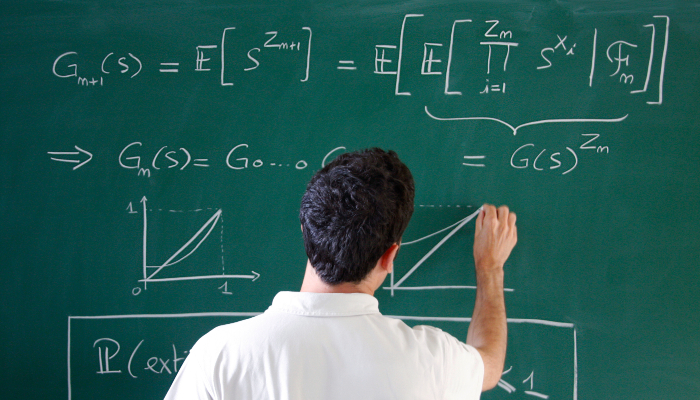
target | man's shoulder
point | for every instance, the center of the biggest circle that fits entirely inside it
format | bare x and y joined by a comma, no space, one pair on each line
222,335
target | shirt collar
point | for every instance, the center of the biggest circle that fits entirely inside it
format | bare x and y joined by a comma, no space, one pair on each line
325,304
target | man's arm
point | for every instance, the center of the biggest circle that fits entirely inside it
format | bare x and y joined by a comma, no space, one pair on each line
494,238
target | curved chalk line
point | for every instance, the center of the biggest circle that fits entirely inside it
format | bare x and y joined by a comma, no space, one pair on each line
515,129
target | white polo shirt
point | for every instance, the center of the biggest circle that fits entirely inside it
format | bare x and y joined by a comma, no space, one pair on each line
325,346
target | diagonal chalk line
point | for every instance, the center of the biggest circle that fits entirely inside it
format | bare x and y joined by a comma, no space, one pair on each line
437,246
211,223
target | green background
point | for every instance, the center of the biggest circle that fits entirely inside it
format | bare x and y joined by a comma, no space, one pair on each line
606,269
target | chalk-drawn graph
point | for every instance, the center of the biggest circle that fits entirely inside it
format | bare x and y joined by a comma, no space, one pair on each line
152,272
397,284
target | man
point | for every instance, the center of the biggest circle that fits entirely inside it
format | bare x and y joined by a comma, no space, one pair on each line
329,341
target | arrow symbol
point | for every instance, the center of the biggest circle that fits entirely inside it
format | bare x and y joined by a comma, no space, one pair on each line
257,275
71,160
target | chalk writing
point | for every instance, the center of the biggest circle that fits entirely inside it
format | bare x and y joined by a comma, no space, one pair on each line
161,364
72,157
509,388
490,40
238,158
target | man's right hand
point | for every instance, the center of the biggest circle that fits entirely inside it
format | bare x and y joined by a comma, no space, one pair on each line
494,238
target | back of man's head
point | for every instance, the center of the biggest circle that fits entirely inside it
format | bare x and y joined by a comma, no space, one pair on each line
353,210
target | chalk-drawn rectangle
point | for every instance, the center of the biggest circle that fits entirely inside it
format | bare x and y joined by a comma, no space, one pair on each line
137,356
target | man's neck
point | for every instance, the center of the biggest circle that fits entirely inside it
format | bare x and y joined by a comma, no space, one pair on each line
314,284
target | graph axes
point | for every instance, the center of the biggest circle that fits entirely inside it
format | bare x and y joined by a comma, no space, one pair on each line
150,272
252,277
455,228
437,287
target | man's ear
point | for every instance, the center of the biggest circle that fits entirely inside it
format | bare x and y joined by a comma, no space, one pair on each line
387,260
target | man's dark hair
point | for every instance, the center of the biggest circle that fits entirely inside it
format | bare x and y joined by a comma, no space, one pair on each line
353,210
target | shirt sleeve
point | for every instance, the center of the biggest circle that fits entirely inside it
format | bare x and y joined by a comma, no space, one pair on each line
464,371
459,366
191,381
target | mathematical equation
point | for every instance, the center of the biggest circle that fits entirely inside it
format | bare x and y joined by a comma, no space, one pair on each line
180,158
529,155
145,163
108,349
132,157
493,41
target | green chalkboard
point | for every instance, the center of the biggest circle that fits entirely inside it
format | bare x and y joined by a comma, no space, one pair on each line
153,155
